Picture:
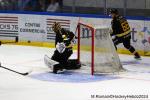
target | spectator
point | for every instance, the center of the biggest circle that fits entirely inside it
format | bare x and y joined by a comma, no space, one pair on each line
60,5
22,4
53,6
6,5
42,4
34,5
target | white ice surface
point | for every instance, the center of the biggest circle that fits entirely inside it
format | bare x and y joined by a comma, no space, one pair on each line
136,81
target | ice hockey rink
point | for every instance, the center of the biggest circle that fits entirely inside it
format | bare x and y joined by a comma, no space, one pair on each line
42,84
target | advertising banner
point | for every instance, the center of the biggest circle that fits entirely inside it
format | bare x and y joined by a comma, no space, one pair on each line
38,28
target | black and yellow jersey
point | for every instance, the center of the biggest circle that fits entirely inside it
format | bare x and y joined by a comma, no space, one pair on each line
120,26
64,36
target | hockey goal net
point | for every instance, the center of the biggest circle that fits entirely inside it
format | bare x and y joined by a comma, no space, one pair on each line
96,51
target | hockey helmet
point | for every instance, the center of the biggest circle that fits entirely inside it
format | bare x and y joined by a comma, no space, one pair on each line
56,27
113,11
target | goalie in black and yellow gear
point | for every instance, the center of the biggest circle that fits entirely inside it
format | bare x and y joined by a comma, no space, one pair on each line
64,41
121,31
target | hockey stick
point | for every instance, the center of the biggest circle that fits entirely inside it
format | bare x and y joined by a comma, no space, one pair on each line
26,73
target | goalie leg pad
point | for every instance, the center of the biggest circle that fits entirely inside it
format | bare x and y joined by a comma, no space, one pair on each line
49,62
72,64
57,56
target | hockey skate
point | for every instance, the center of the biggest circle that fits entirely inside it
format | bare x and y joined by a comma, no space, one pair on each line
137,58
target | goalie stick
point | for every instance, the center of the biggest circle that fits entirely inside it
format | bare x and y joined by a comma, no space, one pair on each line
26,73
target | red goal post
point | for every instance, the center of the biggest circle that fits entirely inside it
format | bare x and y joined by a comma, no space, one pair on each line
92,43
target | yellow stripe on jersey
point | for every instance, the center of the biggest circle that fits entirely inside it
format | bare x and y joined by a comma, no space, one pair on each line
123,34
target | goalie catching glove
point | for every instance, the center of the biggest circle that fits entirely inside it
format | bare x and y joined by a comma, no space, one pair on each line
60,47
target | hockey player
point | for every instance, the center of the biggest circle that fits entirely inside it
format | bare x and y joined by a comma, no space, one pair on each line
121,32
64,44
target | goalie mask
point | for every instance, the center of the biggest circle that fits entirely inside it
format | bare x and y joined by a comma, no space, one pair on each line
56,27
